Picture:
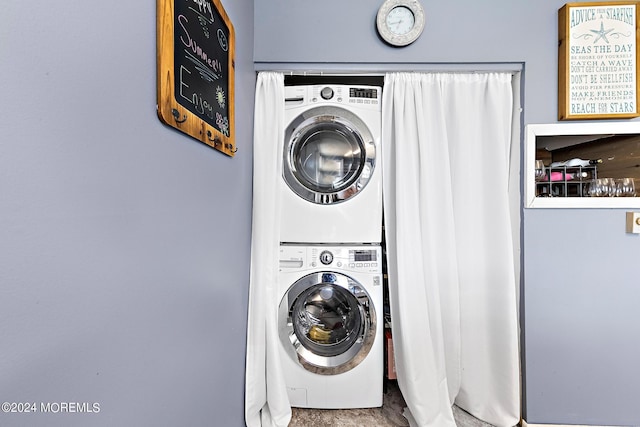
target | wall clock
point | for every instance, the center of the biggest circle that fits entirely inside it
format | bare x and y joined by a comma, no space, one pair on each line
400,22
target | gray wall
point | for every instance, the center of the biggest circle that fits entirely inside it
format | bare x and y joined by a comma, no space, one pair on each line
124,245
580,282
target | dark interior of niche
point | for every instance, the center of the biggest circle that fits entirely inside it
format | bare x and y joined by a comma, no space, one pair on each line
297,80
620,155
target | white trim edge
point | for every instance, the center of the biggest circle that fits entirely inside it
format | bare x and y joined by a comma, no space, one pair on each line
532,131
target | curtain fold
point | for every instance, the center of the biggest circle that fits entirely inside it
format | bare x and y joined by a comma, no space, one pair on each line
446,163
266,401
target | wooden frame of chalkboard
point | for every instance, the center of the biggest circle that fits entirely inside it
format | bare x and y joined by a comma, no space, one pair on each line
195,71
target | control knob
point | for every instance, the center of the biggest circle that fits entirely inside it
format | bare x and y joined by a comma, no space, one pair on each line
326,93
326,257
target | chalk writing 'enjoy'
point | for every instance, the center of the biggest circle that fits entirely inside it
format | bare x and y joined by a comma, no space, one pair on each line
200,103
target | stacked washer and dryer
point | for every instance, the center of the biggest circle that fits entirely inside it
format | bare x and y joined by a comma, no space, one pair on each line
330,315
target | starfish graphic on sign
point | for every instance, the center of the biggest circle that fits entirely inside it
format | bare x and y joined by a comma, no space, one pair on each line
602,33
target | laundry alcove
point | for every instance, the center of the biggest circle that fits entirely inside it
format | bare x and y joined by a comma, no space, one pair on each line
451,162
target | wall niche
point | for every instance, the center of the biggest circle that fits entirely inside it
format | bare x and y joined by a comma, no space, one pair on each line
612,148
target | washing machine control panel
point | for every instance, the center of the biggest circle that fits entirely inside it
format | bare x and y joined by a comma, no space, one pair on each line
366,259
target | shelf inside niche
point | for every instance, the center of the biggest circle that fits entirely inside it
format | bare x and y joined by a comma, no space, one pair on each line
616,143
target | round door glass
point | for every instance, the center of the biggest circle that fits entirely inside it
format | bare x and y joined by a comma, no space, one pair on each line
329,155
327,319
327,322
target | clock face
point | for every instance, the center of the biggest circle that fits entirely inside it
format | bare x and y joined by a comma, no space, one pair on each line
400,22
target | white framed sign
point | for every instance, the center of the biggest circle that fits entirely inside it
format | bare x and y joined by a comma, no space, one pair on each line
597,60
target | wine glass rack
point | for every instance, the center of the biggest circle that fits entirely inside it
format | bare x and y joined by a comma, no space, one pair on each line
566,181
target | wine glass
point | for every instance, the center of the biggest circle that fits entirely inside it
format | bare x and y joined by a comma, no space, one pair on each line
608,187
540,170
595,189
602,187
619,188
630,188
625,187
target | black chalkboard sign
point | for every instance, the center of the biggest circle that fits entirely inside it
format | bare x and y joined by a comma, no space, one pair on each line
196,70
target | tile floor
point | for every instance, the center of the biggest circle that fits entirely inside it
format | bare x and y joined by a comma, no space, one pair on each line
389,415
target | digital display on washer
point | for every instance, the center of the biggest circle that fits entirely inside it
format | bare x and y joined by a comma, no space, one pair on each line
355,92
364,255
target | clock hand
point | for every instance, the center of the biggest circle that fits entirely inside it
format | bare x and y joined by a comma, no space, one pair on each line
396,24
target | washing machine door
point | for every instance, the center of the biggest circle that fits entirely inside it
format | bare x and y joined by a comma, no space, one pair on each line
327,321
329,155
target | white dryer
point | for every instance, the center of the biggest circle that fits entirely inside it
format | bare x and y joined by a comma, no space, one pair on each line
330,325
332,191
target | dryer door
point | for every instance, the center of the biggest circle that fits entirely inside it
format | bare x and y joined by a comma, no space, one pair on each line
329,155
327,320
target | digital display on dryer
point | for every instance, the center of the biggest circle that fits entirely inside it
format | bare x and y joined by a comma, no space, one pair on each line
364,255
355,92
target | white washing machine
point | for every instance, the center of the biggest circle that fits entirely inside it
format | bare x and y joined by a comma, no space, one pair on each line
331,165
330,324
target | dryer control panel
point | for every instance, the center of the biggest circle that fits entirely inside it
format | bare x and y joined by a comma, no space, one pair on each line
364,259
367,97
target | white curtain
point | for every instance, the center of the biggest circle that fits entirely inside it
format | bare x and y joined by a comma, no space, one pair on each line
266,401
446,163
